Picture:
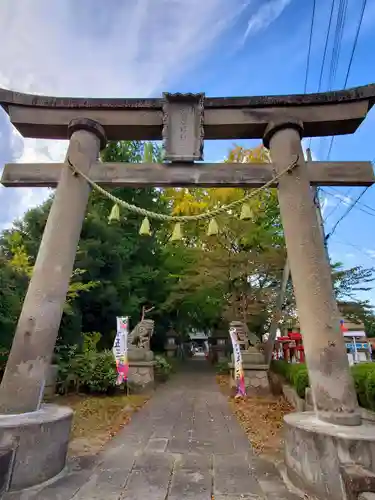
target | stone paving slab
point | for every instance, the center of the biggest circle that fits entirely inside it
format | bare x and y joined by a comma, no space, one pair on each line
184,443
232,476
192,478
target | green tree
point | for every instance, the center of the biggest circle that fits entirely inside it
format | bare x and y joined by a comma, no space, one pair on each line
122,270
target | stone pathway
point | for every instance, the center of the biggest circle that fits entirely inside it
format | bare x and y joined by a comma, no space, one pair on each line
184,444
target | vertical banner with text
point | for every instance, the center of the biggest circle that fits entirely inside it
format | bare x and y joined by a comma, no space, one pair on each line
239,376
120,348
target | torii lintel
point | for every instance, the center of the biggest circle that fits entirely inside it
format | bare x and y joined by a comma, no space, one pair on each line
322,114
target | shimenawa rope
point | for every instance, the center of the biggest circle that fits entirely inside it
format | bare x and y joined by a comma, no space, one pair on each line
181,218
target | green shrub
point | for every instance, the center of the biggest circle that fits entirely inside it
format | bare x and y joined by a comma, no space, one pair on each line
301,381
294,373
222,368
102,374
363,375
370,390
360,373
280,367
88,370
163,368
364,381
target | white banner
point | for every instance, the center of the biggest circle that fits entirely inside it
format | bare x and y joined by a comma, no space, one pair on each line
120,348
238,369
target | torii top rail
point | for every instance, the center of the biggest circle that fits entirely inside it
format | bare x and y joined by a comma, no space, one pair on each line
322,114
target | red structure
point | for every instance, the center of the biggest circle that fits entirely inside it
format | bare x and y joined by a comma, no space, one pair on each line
290,347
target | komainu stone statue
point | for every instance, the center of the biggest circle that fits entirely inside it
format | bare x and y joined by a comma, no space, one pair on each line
245,337
140,356
139,341
141,335
249,342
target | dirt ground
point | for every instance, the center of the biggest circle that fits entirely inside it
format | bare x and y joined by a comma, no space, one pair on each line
97,419
261,418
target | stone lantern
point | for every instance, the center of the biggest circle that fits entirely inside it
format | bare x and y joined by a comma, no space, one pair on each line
219,345
170,344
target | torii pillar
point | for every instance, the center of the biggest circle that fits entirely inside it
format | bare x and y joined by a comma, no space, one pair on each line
39,436
328,453
22,386
332,385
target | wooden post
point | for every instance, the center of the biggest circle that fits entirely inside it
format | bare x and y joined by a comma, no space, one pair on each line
34,341
331,383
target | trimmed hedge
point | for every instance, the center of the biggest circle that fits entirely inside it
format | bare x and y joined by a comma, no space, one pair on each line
364,381
294,373
363,374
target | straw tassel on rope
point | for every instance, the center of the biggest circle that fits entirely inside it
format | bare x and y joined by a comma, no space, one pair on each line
145,229
213,228
177,232
115,213
246,212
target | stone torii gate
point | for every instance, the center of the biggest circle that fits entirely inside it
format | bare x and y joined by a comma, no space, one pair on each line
183,121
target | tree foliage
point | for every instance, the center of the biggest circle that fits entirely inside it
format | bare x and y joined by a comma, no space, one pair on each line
200,283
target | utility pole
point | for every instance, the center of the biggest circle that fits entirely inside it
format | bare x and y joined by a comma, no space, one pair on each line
286,276
318,209
277,315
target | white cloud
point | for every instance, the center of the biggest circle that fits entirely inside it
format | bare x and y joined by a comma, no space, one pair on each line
344,199
94,49
370,252
264,16
325,203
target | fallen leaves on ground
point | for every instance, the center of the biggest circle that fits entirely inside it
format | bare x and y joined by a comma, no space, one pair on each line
262,419
97,419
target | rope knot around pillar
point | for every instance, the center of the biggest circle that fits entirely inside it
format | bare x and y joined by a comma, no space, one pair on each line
281,124
90,126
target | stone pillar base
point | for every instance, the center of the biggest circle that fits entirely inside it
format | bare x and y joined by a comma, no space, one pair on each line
328,461
39,441
256,379
141,376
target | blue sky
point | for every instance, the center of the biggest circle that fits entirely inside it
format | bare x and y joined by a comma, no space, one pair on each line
141,48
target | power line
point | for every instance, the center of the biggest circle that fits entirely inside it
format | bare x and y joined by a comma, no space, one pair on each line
352,200
336,46
349,209
355,43
326,45
325,52
345,195
310,43
357,247
340,23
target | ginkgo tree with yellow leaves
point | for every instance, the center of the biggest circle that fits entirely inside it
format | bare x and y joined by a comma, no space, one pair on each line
240,267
